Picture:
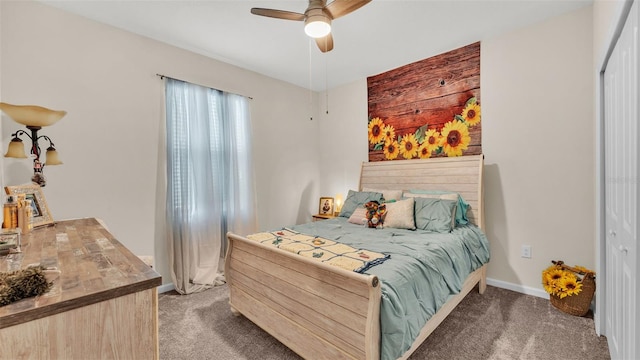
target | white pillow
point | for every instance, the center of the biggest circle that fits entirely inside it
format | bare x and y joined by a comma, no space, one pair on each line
386,194
400,214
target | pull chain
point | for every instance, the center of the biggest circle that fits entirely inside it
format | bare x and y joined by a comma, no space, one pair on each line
326,81
310,91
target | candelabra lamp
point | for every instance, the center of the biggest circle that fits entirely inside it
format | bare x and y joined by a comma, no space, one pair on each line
34,118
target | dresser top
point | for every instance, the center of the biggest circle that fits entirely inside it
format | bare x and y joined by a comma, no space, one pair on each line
94,267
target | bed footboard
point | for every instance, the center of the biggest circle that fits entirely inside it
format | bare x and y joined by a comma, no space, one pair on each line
317,310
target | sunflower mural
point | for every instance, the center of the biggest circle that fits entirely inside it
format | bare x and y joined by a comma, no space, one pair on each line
428,108
452,139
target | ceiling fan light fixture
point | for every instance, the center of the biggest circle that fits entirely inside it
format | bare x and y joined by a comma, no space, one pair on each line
317,26
317,18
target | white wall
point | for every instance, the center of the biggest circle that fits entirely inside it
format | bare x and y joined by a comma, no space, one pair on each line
110,139
538,139
343,128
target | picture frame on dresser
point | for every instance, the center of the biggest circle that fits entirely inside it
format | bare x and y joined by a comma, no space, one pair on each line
40,210
326,206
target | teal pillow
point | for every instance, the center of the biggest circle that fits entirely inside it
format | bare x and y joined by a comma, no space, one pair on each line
461,208
436,215
356,199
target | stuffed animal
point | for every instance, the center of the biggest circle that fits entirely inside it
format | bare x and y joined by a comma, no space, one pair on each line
375,214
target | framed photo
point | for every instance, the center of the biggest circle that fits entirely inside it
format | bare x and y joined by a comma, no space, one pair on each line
39,207
326,206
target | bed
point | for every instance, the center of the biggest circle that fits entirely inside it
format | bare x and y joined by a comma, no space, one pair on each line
323,311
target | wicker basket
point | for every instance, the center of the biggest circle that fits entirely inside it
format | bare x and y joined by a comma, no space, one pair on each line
579,304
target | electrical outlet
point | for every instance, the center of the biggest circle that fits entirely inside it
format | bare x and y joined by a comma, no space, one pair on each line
526,251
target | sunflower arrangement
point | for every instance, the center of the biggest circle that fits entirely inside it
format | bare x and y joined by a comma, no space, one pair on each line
561,280
452,139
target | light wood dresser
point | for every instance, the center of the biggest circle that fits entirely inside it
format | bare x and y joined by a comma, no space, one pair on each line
103,306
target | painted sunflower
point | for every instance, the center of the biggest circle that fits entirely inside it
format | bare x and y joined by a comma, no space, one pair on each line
472,114
391,149
409,146
456,138
423,151
432,139
388,132
375,130
570,286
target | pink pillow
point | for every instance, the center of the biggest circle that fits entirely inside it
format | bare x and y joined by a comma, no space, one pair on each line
359,216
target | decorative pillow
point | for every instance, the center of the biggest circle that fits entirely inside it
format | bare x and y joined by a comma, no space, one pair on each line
437,215
386,194
356,199
400,214
359,216
461,208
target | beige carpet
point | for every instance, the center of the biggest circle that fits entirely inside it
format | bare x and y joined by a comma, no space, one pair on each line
500,324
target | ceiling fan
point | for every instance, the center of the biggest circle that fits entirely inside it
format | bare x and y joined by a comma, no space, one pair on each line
317,18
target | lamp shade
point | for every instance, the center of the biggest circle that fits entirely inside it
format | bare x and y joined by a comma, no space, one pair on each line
31,115
52,157
338,200
317,24
16,149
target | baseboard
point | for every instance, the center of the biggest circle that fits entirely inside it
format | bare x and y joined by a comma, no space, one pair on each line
518,288
165,288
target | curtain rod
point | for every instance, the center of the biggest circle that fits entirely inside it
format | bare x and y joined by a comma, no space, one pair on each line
161,76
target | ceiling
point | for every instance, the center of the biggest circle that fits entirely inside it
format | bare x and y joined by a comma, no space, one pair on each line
380,36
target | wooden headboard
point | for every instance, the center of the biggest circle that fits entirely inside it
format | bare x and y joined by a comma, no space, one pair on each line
460,174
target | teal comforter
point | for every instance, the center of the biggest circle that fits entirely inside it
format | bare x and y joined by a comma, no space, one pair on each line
424,270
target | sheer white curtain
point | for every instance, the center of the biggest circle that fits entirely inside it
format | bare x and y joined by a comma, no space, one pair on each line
210,182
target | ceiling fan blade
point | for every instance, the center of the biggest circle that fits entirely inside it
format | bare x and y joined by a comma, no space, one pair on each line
339,8
325,44
278,14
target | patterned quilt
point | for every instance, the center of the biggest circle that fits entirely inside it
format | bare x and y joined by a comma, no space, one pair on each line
320,249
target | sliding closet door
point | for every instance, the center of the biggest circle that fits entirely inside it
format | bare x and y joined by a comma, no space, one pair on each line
621,192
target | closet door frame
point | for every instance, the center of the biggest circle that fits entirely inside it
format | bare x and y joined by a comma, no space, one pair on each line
601,305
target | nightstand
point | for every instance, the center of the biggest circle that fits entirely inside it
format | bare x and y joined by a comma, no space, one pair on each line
318,217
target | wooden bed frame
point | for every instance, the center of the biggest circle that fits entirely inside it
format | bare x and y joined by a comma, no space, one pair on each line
325,312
